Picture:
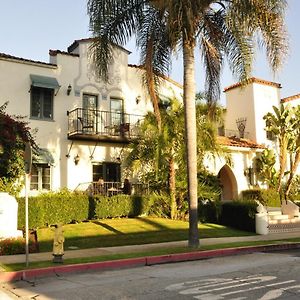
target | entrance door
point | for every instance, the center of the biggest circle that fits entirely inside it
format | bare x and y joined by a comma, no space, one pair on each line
89,113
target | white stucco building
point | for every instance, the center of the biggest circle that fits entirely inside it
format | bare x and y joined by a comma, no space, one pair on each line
83,124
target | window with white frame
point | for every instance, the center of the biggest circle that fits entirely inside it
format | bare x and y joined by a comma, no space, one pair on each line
40,177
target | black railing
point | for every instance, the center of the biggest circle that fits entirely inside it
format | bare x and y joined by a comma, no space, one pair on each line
113,188
103,123
232,133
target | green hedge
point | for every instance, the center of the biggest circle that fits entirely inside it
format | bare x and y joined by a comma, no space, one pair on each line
269,197
52,208
67,207
239,214
209,211
120,206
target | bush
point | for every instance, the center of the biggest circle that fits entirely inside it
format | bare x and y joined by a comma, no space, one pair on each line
294,194
159,205
52,208
68,207
268,197
120,206
14,246
209,211
239,214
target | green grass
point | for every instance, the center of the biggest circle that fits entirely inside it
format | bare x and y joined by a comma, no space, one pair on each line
172,250
121,232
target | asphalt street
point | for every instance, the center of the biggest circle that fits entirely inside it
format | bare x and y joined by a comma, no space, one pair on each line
262,276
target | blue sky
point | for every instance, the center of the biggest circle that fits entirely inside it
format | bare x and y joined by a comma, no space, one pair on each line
30,28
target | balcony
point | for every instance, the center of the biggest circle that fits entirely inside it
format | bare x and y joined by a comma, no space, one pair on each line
104,126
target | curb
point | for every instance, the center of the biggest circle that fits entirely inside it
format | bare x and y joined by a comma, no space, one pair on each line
140,262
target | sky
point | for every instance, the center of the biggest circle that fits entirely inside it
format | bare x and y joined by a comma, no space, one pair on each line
30,28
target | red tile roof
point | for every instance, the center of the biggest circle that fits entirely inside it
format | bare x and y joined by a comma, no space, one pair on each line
290,98
75,44
253,80
238,142
7,56
55,52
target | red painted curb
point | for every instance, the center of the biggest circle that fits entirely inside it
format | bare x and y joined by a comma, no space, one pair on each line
138,262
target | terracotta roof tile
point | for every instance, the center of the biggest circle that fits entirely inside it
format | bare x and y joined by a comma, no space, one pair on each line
238,142
55,52
75,44
7,56
253,80
290,98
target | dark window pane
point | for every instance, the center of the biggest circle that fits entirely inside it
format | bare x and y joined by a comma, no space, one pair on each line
41,103
97,172
35,103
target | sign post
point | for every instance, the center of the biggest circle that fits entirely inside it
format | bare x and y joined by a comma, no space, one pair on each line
28,162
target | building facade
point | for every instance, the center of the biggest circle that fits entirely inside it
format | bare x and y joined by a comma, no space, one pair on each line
82,123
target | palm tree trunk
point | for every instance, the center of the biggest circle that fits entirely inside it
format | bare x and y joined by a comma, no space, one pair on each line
292,174
191,139
172,187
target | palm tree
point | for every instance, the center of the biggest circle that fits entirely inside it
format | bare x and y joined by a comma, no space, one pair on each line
280,124
220,28
293,148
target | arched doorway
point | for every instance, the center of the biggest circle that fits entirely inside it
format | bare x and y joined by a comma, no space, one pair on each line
228,183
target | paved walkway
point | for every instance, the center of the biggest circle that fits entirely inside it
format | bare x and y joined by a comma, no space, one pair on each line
46,256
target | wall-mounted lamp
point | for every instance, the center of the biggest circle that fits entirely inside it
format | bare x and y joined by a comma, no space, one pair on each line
69,89
76,159
138,99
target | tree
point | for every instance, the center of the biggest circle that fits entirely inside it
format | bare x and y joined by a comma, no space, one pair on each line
14,133
170,139
294,149
284,124
266,168
280,124
220,28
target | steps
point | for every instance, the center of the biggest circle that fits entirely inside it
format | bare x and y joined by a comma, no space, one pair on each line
279,222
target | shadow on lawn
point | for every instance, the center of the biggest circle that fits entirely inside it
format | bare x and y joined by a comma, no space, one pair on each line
106,226
117,238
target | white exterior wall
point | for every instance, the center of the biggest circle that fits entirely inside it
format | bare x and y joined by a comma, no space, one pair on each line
124,82
242,159
264,97
252,102
239,104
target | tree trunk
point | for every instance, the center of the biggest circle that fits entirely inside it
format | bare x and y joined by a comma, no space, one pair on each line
191,139
292,174
172,187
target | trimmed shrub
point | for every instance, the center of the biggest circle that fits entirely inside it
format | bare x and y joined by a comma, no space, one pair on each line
52,208
120,206
16,246
239,214
209,211
267,197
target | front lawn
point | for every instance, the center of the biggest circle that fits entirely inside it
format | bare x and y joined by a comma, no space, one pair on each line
125,231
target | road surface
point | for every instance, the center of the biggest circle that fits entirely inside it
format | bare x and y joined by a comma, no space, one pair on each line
262,276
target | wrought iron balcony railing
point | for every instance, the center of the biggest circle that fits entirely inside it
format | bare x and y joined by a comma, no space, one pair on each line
91,122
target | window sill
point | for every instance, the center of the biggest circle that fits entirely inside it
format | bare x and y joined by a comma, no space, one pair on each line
40,119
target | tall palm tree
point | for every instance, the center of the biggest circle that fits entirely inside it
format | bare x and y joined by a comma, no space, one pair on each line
220,28
280,124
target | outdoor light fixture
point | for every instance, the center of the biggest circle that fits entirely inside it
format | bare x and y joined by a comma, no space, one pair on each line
138,99
69,89
76,159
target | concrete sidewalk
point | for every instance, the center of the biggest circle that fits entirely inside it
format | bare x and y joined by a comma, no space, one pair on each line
47,256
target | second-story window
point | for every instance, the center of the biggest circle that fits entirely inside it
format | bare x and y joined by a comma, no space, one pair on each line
41,103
